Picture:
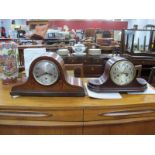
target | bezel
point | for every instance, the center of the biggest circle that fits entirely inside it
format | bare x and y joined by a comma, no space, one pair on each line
38,81
134,73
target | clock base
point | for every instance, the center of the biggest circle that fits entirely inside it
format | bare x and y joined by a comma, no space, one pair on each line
48,94
139,85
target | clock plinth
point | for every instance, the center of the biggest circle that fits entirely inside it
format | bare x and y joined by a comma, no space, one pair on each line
139,85
43,82
60,89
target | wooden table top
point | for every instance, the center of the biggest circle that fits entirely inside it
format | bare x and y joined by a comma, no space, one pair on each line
73,102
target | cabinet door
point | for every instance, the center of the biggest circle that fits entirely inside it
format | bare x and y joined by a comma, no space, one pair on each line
132,128
41,121
41,114
41,128
121,120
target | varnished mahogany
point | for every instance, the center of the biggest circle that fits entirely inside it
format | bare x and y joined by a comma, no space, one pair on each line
65,85
105,84
132,114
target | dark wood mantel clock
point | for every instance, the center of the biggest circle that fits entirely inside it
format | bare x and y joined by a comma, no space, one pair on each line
48,77
119,76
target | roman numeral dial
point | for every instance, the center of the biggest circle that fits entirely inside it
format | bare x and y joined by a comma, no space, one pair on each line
122,72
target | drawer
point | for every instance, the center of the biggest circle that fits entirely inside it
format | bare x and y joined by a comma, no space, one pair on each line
39,114
90,71
97,69
87,60
92,60
73,60
97,61
118,113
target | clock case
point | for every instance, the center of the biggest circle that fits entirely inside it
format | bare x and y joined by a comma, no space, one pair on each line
105,84
65,85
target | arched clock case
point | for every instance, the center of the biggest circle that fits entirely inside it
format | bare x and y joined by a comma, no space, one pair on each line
119,76
48,77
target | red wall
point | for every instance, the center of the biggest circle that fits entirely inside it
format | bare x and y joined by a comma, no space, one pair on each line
84,24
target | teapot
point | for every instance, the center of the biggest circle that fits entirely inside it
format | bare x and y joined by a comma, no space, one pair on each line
79,48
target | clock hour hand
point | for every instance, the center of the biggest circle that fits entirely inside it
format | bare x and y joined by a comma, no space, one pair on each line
43,74
126,74
49,73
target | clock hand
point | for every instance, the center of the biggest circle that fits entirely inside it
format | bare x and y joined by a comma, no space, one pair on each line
41,74
45,74
124,69
125,73
48,72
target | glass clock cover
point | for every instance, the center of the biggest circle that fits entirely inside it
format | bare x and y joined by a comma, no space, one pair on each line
45,72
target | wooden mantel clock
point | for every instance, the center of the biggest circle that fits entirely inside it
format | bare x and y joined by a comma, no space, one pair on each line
119,76
48,77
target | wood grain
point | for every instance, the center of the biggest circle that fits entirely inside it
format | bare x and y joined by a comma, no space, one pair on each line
134,128
75,102
133,114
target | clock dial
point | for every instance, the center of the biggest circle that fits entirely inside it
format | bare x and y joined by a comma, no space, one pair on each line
122,72
45,72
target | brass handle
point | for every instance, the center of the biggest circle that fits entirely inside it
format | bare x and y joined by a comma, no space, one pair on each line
23,114
126,113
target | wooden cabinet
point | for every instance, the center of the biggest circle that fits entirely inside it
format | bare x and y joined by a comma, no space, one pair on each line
93,70
111,115
133,114
127,128
40,121
60,129
120,120
43,114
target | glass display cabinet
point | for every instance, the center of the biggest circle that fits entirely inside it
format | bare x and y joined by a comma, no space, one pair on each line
138,45
139,42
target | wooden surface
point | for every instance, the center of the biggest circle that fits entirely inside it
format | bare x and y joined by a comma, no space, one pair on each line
76,102
133,114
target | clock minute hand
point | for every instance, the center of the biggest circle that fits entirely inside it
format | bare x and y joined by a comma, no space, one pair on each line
124,69
125,73
41,74
44,73
50,73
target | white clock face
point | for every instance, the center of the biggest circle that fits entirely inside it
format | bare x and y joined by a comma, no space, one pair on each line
45,72
122,72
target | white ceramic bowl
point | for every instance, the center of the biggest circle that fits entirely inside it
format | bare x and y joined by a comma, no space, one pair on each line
94,51
63,51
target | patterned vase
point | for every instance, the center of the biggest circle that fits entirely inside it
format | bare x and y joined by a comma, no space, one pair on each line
8,62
